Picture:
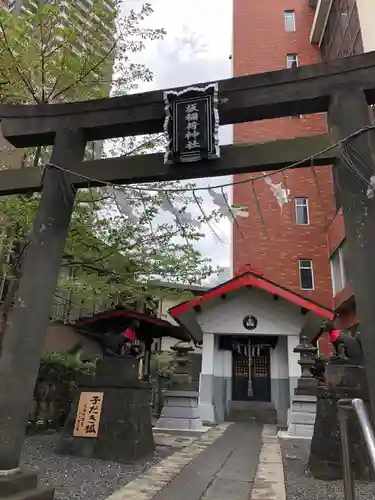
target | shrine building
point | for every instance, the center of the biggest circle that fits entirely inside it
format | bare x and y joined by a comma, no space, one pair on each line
249,327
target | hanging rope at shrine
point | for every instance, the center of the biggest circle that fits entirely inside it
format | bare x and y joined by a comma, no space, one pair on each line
279,190
223,185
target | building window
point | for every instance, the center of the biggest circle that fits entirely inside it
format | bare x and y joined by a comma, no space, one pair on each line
290,20
302,211
291,60
306,274
339,269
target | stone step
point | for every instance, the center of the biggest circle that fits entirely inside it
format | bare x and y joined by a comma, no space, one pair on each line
180,424
260,411
301,418
262,417
306,407
251,405
35,494
300,430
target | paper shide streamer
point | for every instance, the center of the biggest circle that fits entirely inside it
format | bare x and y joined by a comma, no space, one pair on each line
207,220
182,217
220,200
123,205
280,193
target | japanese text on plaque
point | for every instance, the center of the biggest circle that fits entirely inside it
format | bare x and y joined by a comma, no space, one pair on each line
88,414
192,126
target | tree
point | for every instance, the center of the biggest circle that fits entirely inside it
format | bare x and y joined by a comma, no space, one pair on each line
110,257
50,55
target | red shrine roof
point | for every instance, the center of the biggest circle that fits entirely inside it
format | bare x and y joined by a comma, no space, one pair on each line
117,320
253,278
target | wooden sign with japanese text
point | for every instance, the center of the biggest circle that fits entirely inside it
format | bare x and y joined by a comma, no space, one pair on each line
88,414
192,124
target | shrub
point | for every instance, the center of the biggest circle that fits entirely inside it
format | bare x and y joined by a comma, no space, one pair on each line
163,364
64,367
59,372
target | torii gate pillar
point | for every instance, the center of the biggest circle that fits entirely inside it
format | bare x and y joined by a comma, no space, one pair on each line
25,331
349,112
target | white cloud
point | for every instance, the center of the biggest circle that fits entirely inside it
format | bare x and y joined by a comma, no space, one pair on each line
197,48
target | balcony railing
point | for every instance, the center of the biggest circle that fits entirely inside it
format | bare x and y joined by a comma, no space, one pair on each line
344,407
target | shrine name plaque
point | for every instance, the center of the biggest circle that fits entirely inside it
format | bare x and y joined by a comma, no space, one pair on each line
88,414
192,124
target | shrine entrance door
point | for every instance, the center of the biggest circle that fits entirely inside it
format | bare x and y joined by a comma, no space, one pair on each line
251,373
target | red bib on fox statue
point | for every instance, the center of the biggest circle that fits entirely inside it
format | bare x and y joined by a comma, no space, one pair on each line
130,334
352,345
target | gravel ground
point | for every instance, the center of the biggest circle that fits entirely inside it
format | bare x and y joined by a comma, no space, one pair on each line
78,478
300,485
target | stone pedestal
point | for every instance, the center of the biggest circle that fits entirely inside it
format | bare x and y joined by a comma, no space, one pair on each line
23,485
125,429
301,415
301,418
180,410
325,462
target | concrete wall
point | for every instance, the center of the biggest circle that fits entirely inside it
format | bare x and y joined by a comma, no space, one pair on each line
293,366
61,338
215,389
280,385
275,317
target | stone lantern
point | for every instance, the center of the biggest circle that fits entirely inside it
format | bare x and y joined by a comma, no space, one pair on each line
181,379
302,412
180,410
307,383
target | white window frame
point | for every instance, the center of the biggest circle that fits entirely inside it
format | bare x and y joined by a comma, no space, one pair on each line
290,17
289,62
296,205
311,268
343,276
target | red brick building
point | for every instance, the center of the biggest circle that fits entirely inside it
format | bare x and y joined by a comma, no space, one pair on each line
301,247
269,35
342,28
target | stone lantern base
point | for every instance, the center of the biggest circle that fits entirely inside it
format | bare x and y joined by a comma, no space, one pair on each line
325,462
180,412
301,418
23,485
301,415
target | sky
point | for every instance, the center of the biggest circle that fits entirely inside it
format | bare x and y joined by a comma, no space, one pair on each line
197,48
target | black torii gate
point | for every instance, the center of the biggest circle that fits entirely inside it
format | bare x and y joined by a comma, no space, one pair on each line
344,88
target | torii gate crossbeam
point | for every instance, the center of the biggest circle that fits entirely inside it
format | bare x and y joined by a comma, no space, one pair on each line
235,159
295,91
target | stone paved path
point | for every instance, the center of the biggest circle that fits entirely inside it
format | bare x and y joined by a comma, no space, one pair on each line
219,466
269,481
